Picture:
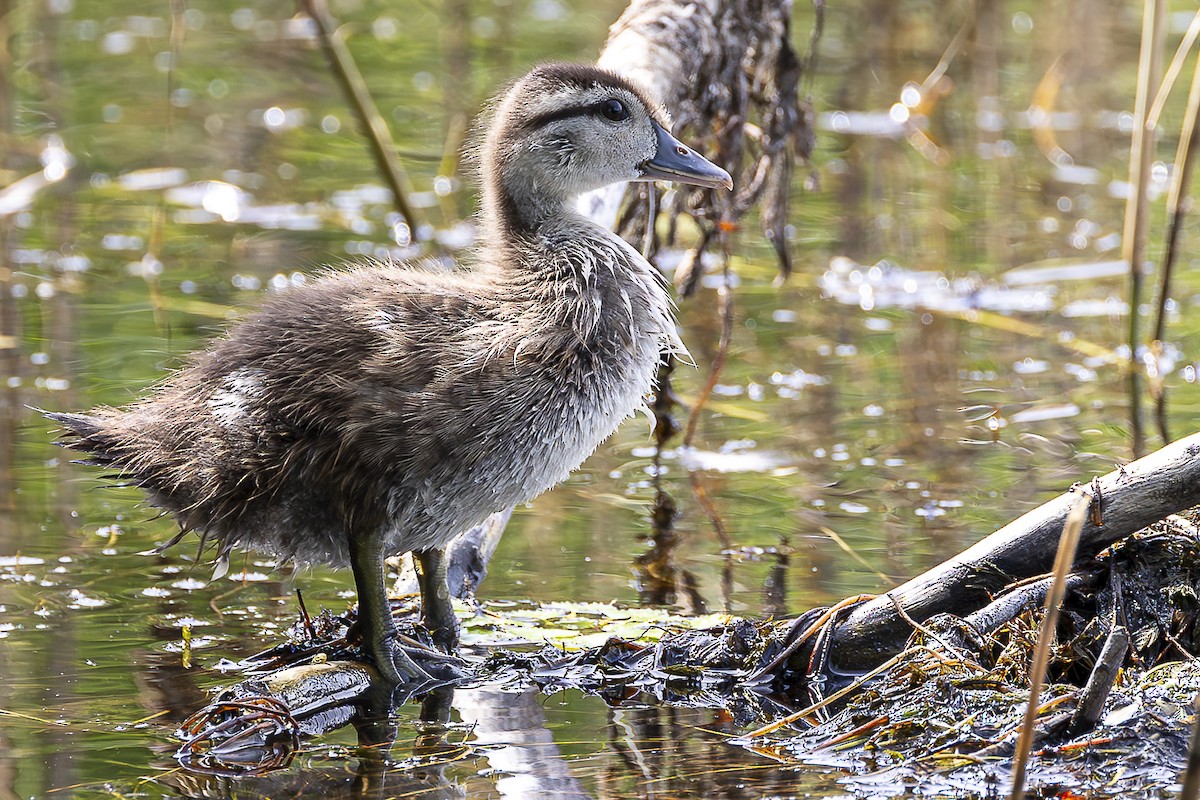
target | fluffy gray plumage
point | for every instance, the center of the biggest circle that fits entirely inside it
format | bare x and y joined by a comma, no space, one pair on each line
415,402
399,406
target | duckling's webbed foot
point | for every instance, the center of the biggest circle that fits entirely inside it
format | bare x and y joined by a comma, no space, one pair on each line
375,616
393,662
436,606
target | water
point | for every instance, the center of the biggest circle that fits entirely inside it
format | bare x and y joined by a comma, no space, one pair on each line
946,357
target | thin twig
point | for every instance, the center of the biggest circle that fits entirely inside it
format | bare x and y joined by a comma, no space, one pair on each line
796,716
1063,562
927,632
725,311
854,733
383,148
700,492
854,554
304,615
151,260
794,641
456,131
858,683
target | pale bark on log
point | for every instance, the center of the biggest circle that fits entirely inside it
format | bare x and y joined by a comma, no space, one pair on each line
1130,498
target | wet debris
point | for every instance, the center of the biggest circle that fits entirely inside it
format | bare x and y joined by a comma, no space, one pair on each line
704,668
255,726
329,637
253,734
941,717
313,683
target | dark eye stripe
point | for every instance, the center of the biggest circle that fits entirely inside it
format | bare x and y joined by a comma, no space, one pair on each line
568,113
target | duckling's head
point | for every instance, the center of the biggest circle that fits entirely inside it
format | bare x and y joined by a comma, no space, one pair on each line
566,129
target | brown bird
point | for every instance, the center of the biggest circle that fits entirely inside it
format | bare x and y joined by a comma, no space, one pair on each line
386,408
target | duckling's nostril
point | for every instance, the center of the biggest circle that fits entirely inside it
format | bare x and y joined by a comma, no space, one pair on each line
681,150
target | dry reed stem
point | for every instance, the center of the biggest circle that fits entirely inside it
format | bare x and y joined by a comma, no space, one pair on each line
858,683
804,712
1141,150
854,554
456,133
1063,562
951,52
1172,74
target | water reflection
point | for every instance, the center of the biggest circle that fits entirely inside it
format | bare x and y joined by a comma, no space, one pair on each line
513,729
491,742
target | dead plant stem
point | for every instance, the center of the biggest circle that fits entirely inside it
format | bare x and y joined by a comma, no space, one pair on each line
1067,544
725,310
857,684
951,52
1141,151
1173,70
700,492
854,554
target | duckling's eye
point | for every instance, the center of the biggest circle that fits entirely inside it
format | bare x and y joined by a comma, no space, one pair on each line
613,109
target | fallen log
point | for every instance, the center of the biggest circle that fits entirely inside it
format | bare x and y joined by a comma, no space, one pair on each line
1127,499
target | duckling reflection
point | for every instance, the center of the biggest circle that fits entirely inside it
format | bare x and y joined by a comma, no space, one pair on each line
383,409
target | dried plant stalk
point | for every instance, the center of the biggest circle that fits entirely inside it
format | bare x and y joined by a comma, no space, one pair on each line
1063,562
1134,234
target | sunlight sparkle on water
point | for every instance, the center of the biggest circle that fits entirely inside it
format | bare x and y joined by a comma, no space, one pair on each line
223,199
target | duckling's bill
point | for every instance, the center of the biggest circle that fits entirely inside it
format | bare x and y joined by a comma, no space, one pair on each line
677,162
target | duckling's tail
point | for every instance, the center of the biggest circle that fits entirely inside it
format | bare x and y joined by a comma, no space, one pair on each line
83,432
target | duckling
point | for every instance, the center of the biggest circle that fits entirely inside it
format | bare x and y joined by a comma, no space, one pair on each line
384,408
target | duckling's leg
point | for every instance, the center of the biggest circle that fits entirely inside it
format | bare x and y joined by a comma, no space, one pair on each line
436,606
375,614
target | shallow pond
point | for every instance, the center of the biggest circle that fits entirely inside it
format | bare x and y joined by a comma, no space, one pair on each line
948,354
